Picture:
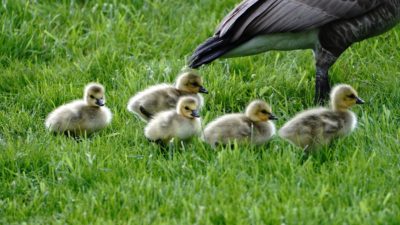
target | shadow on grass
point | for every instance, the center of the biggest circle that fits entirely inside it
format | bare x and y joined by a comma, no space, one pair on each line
331,153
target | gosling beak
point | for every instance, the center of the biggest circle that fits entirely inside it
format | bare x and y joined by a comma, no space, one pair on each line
203,90
272,117
100,102
359,101
195,113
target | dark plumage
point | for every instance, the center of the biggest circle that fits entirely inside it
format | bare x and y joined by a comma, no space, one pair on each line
328,27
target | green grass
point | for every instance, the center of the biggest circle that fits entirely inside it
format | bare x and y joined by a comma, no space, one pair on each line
51,49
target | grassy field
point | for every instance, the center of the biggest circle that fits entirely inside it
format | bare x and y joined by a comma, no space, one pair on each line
50,49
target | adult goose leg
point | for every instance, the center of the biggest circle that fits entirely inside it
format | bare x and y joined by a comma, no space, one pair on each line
323,61
336,37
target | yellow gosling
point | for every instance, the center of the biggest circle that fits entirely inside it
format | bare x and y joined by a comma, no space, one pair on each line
182,122
253,126
81,116
313,128
163,97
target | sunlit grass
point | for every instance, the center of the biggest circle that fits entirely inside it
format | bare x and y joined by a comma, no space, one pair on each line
50,50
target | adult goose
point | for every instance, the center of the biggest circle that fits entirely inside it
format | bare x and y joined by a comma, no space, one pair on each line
328,27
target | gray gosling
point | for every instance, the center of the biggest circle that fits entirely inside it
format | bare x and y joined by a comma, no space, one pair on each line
182,122
163,97
314,128
253,126
81,116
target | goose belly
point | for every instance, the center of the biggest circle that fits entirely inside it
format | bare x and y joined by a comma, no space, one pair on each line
277,41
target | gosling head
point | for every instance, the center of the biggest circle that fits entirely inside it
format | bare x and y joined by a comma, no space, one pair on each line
343,96
94,95
259,111
187,107
190,82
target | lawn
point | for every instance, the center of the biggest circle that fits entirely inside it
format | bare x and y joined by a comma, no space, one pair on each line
51,49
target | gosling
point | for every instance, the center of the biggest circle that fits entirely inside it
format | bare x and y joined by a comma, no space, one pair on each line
81,117
182,122
314,128
254,126
163,97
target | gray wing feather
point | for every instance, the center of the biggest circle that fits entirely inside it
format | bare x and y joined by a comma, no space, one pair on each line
244,130
255,17
330,126
332,123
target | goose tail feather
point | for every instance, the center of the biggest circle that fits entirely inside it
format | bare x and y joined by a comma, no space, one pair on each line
213,48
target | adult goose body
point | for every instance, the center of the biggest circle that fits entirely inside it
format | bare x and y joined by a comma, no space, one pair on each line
328,27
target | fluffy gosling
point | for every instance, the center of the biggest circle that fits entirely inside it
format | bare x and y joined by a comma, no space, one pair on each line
316,127
182,122
81,116
163,97
253,126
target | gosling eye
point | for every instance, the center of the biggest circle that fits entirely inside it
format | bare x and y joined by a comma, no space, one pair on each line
195,84
264,111
187,108
352,96
91,96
